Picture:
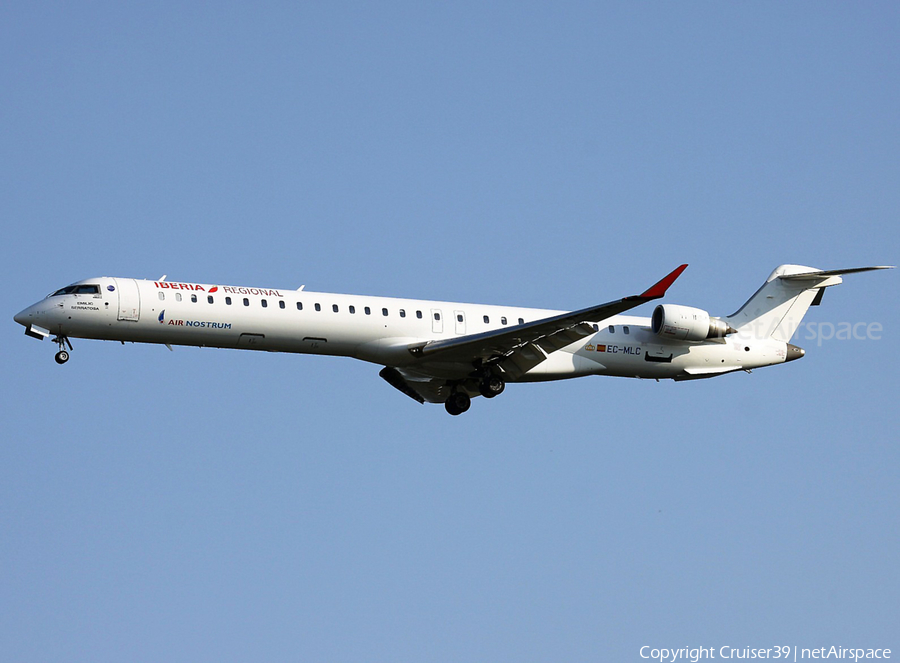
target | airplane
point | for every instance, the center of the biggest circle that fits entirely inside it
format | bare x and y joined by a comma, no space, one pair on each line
444,352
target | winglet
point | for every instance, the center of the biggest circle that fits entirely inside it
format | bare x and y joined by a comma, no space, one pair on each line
659,289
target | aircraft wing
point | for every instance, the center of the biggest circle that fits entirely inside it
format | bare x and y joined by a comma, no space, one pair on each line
518,349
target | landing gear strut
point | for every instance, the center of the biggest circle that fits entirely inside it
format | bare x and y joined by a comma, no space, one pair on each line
457,403
62,356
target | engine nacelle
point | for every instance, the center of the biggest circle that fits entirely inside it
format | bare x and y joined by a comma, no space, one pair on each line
685,323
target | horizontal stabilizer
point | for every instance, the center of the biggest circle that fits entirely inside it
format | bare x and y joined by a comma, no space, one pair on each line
805,276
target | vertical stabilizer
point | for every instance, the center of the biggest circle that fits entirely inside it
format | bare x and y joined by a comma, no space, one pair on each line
777,308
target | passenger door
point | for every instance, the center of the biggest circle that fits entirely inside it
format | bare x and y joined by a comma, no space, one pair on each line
129,300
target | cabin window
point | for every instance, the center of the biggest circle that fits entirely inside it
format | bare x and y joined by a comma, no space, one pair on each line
228,301
487,320
334,307
503,320
318,307
194,298
246,302
612,329
626,330
281,304
459,317
384,312
368,311
177,296
352,309
521,321
419,314
299,306
596,327
162,296
437,316
209,298
402,313
264,303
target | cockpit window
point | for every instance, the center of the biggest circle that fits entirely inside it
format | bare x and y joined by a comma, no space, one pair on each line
78,290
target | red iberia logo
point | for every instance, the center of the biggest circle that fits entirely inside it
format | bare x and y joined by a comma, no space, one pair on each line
172,285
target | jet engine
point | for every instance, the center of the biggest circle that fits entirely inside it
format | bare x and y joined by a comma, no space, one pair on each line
684,323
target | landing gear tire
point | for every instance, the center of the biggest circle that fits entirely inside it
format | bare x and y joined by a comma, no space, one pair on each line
491,386
62,357
458,403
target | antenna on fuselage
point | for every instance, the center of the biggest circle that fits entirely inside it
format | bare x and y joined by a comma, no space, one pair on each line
301,287
162,278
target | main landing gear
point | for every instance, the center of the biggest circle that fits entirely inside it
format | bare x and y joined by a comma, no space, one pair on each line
459,401
62,356
491,386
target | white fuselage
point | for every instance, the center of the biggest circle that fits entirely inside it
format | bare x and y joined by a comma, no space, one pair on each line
374,329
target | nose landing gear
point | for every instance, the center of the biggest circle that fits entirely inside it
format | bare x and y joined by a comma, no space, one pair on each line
62,356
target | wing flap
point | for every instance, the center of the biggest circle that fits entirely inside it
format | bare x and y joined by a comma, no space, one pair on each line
395,378
420,388
564,337
521,361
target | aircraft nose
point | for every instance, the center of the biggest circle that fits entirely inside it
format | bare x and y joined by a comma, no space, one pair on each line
27,316
22,317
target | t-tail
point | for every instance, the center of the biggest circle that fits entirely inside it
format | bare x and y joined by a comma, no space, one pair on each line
776,310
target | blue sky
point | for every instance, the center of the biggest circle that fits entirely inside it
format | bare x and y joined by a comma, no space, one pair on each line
223,505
